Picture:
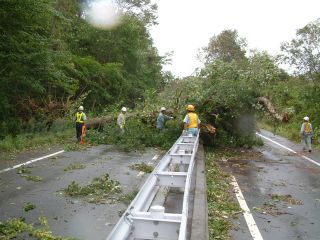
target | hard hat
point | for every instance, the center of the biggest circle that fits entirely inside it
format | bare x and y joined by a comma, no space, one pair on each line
80,108
190,108
123,109
162,109
306,118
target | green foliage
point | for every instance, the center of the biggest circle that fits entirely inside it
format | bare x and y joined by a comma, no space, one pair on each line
221,207
74,166
15,228
137,135
143,9
29,206
51,57
143,167
100,189
23,170
32,178
225,92
228,95
128,198
11,228
35,140
303,52
297,97
225,47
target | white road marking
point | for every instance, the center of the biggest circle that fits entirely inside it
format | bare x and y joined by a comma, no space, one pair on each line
289,149
31,161
253,228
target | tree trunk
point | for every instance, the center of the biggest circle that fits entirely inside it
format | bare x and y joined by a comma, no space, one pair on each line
271,109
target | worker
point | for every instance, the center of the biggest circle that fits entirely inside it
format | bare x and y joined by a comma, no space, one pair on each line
121,120
80,122
306,133
162,118
191,121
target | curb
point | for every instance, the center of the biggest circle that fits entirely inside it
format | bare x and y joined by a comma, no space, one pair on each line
199,225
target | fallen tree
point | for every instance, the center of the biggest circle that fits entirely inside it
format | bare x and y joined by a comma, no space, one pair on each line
271,109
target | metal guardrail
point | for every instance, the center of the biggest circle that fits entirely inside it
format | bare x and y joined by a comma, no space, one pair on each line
142,219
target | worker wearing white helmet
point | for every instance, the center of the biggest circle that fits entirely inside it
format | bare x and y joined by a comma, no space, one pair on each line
162,118
80,122
306,134
121,120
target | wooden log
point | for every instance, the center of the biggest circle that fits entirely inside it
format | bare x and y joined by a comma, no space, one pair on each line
271,109
99,122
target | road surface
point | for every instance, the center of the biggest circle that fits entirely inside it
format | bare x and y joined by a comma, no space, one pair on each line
72,217
281,186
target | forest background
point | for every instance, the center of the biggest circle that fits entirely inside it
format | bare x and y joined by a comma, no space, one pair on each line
53,60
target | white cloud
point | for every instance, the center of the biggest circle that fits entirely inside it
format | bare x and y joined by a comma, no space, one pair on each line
185,25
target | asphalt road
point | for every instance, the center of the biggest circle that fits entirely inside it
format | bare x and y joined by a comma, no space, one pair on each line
72,217
281,189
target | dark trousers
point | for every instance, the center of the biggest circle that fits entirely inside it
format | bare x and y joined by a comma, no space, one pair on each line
79,130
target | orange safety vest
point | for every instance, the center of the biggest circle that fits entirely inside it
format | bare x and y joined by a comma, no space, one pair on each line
79,117
193,120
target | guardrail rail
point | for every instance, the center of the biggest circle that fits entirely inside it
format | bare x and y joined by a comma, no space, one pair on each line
145,220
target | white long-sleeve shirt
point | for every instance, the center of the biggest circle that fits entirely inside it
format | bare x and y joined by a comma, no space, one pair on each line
121,120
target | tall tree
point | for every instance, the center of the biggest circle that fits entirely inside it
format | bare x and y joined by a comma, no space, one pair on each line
25,57
226,47
49,54
143,9
303,52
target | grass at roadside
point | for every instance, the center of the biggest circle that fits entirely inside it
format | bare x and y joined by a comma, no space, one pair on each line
138,135
289,131
31,141
222,208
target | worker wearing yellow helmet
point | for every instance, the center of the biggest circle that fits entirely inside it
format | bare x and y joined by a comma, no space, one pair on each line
191,121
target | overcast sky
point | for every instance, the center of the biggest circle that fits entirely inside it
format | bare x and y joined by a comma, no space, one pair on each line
185,25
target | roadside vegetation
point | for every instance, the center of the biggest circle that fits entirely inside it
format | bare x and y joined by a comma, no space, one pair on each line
222,207
87,68
54,61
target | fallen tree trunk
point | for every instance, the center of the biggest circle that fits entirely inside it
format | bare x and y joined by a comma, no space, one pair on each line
99,122
271,109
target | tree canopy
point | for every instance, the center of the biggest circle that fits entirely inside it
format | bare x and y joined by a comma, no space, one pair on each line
303,52
226,47
50,57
